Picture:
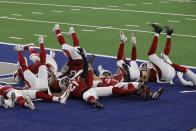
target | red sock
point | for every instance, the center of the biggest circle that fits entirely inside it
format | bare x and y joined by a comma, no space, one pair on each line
153,47
89,79
91,99
167,47
43,96
133,53
21,101
147,91
42,54
120,54
122,91
60,37
22,61
32,50
75,39
179,68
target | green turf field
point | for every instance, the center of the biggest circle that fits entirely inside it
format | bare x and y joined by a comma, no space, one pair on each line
98,23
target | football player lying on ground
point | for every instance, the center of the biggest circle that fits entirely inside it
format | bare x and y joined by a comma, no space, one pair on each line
75,62
37,81
81,87
10,95
107,85
130,71
34,57
156,70
191,76
163,69
126,72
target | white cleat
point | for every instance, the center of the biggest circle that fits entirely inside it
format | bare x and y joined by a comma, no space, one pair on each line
56,27
52,53
29,104
158,93
18,47
133,39
123,37
64,96
2,102
71,31
100,68
165,58
41,39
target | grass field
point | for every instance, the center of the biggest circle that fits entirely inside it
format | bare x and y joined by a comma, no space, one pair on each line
98,23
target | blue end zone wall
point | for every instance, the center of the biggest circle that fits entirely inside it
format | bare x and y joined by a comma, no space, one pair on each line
173,111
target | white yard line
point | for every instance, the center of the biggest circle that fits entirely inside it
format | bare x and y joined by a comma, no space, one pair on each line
8,62
164,2
190,19
173,21
93,26
152,22
101,8
88,30
106,27
132,25
7,83
18,38
107,56
57,11
1,75
187,91
130,4
40,35
112,6
76,9
183,1
37,13
145,3
16,14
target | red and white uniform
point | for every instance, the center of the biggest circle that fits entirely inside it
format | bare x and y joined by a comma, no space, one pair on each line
77,86
7,91
19,76
75,62
21,95
35,58
39,81
132,66
122,88
159,70
109,81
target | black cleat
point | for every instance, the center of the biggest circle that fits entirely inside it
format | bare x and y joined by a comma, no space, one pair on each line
90,58
141,87
2,102
13,97
127,77
157,94
142,90
168,30
156,28
97,105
